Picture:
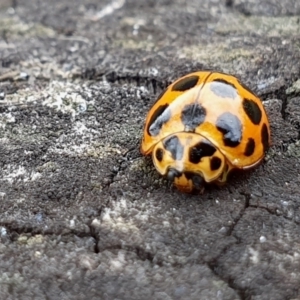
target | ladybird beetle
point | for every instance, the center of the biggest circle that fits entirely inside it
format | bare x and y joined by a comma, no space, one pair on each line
202,126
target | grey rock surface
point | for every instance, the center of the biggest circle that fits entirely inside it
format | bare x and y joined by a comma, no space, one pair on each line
82,214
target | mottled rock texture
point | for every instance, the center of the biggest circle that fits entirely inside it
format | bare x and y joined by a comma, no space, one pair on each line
82,214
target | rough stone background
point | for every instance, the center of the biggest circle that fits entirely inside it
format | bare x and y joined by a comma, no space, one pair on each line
82,214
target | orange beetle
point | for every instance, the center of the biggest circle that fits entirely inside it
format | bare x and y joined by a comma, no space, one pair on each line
202,126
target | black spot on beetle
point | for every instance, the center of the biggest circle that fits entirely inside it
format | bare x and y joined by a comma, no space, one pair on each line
161,116
223,89
159,154
250,147
197,180
185,83
215,163
189,175
173,145
200,150
265,137
231,128
192,116
252,110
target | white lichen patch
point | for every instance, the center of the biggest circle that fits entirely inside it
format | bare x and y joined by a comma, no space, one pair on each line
30,241
295,88
12,173
3,232
112,217
48,69
254,255
108,9
264,84
279,26
6,118
233,60
118,223
89,149
37,239
21,97
137,164
64,97
80,128
101,151
294,149
15,27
